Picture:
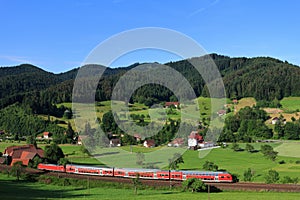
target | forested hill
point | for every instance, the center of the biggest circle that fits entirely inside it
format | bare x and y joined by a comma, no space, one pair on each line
19,81
263,78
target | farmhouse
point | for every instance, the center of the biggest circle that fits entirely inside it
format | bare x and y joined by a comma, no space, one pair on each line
81,139
137,137
194,140
221,112
115,142
24,153
176,104
149,143
176,142
277,120
47,135
206,145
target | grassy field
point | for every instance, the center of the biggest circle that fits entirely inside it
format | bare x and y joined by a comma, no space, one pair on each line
238,162
249,101
289,148
11,189
290,103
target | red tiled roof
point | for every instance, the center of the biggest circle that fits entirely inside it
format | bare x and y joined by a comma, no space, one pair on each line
136,135
46,133
195,135
176,103
178,141
27,155
23,153
150,143
221,112
24,161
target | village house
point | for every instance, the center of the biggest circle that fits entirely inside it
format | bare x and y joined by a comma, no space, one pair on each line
137,137
277,120
235,101
24,153
115,142
194,140
47,135
176,142
176,104
221,112
149,143
81,138
206,145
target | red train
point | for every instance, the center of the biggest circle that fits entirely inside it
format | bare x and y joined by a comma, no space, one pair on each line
205,176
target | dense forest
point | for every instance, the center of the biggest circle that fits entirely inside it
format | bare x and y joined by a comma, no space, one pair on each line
27,90
263,78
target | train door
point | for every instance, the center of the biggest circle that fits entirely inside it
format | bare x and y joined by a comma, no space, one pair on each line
155,175
183,176
217,178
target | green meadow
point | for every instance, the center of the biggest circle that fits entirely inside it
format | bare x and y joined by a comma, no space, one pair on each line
238,162
290,103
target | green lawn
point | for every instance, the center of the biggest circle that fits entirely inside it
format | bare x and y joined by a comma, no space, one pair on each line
11,189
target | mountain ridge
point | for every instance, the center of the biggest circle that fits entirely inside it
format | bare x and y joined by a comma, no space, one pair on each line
263,78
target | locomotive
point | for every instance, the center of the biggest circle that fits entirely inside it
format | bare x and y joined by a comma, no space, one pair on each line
157,174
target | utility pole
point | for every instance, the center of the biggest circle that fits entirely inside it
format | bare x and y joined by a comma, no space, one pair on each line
208,191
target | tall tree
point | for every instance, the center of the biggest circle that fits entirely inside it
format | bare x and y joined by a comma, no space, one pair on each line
53,153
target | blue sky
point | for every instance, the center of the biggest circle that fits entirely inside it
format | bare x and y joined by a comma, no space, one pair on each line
58,35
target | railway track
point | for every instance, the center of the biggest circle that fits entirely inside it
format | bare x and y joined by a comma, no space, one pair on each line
257,187
173,183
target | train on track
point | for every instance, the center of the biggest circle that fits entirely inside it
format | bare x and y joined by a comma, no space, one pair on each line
157,174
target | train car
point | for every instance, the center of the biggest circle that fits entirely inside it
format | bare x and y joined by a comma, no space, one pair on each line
143,173
51,167
107,172
176,175
80,169
119,172
225,177
165,175
207,176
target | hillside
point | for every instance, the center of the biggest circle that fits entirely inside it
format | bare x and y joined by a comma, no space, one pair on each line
262,78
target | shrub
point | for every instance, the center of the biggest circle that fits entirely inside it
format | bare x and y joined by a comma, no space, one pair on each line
281,162
272,177
248,175
194,184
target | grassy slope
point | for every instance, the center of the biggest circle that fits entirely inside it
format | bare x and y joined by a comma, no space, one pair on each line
249,101
238,162
25,190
